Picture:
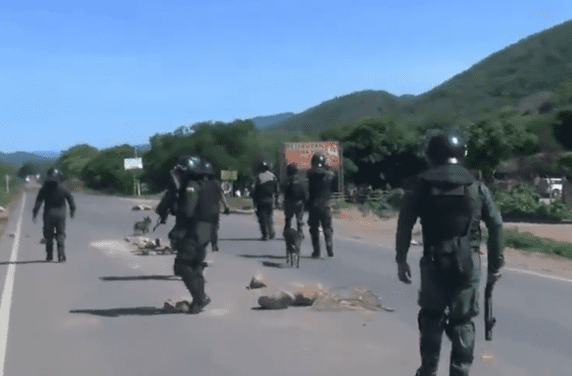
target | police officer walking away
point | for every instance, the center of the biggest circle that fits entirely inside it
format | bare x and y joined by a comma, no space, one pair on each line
189,200
451,205
215,195
54,196
321,185
264,195
295,190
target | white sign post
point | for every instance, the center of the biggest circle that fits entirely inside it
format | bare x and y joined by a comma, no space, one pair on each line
134,164
7,184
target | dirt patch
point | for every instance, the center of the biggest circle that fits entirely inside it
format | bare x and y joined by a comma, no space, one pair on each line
351,223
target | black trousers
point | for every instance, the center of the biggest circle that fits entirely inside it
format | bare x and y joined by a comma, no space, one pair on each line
55,226
265,219
189,263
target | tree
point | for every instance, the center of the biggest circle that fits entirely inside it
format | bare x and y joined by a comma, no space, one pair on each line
76,158
28,168
106,170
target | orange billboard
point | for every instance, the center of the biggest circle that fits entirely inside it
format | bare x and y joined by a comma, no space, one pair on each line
301,153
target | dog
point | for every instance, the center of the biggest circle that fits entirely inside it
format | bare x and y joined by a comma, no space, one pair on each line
293,240
142,227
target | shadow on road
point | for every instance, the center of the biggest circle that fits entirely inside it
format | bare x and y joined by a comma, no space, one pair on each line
27,262
116,312
275,264
263,256
247,239
142,278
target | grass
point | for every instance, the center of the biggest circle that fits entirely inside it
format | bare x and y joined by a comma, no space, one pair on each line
527,242
339,204
6,198
238,202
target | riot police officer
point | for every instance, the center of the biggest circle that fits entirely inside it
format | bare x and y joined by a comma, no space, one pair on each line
54,196
321,185
264,196
295,190
451,205
215,195
189,200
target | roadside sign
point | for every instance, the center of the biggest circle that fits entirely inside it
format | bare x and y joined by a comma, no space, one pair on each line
133,163
228,175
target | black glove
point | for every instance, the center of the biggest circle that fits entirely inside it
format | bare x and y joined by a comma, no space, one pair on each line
404,273
34,219
72,214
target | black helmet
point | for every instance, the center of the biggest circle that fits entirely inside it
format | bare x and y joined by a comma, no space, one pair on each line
291,169
263,166
195,166
318,160
54,174
445,148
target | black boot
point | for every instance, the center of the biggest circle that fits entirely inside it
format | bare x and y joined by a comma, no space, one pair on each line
316,245
61,253
49,250
329,247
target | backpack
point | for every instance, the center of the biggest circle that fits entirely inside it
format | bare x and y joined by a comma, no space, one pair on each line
295,190
447,217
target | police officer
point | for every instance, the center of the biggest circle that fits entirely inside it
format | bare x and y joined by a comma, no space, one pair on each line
451,205
295,190
264,195
321,185
188,199
54,196
215,193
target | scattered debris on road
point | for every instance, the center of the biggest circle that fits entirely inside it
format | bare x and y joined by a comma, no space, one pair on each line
182,306
147,247
257,282
142,207
349,299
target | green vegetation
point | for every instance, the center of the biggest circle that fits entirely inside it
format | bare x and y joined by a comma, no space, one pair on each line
5,197
339,204
530,243
239,202
524,201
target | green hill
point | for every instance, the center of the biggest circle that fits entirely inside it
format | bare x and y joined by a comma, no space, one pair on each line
345,109
533,74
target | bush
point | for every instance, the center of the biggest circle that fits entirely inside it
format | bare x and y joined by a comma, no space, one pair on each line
525,201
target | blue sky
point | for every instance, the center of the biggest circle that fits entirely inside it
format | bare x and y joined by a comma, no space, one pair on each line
119,72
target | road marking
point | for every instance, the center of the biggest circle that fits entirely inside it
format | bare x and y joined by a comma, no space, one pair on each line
8,288
539,274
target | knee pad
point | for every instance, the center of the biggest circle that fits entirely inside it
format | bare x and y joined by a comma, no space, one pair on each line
462,335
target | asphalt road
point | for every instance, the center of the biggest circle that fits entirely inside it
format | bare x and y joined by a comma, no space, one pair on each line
100,313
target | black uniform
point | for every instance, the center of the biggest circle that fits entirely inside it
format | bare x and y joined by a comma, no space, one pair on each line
55,197
321,185
451,205
264,195
295,191
214,194
191,203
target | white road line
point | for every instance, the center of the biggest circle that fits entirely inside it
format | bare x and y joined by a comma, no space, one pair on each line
538,274
8,288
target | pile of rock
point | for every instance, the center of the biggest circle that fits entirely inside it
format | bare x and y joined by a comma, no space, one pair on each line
315,295
349,299
147,247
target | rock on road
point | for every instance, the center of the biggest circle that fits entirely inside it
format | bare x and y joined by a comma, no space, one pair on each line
100,313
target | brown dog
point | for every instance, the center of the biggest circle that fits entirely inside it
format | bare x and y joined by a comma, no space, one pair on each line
293,241
142,227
